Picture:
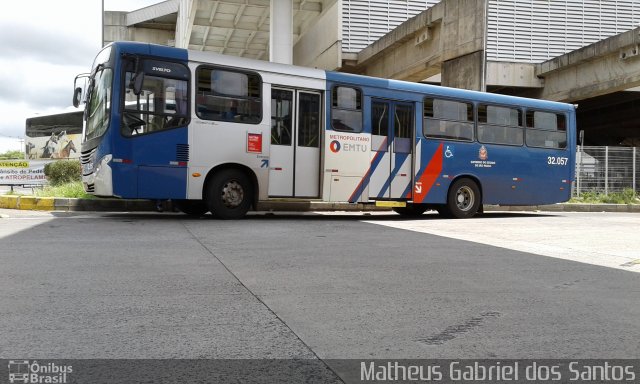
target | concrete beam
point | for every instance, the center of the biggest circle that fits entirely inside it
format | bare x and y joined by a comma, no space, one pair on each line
604,67
504,74
464,71
409,52
152,12
416,49
115,29
184,24
321,45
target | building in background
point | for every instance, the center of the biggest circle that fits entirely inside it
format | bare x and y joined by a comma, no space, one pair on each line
579,51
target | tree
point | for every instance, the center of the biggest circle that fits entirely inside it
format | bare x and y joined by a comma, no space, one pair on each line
11,155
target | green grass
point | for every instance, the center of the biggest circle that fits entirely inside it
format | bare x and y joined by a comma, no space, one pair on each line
73,189
627,196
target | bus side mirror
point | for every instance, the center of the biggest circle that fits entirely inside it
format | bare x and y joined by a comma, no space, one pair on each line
77,96
138,79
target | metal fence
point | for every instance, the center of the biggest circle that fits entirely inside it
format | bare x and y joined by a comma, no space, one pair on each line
606,169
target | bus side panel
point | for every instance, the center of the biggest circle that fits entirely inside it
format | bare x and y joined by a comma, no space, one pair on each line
215,143
347,162
347,158
551,183
507,175
428,172
158,162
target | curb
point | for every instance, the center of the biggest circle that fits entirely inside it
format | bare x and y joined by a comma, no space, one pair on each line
123,205
69,204
568,207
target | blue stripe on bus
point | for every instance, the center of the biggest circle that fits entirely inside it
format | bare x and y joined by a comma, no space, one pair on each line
400,159
377,158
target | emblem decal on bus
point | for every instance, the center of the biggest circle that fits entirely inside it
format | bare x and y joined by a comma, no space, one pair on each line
483,154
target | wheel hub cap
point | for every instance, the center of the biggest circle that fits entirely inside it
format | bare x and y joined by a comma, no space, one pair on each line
465,198
232,194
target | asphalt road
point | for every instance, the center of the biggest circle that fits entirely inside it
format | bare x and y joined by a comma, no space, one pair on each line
337,286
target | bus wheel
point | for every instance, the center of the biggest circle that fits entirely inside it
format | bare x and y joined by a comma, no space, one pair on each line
411,210
192,207
229,194
463,199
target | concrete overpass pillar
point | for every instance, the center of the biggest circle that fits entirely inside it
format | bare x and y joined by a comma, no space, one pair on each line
464,72
281,31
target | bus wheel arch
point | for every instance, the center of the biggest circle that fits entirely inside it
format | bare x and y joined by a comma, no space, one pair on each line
230,190
464,198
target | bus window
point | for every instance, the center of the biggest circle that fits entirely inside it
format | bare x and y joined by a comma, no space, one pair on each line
379,126
499,125
99,107
448,119
546,130
281,116
346,111
162,103
225,95
309,120
379,119
403,127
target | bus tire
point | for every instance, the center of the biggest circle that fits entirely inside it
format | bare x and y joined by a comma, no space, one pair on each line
411,210
192,207
229,194
463,199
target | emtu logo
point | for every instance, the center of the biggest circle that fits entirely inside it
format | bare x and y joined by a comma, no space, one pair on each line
334,146
18,371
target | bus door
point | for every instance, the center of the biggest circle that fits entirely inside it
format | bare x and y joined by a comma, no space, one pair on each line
294,169
391,149
154,124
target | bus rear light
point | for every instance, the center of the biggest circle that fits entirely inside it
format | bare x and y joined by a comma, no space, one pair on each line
123,161
517,179
178,163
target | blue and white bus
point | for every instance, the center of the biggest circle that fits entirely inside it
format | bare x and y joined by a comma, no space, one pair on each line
221,134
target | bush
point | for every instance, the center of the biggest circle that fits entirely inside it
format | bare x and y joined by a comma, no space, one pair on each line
63,171
627,196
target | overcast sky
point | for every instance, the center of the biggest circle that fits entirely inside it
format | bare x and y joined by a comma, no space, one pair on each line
44,45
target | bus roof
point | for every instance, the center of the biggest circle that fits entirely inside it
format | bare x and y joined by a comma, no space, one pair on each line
219,59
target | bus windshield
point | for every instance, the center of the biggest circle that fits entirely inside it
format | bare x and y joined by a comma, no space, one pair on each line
99,105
